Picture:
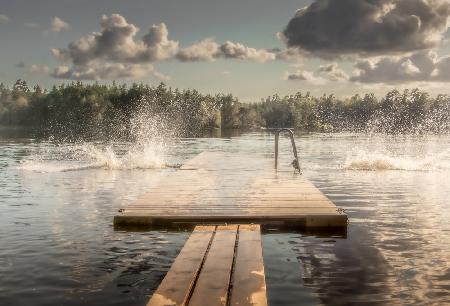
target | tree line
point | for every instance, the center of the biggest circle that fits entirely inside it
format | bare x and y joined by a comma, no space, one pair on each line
95,110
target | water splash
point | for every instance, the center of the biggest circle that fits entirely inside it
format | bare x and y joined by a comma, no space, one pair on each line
145,150
147,156
97,156
377,161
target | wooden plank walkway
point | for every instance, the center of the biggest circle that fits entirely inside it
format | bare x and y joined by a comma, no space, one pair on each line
230,187
218,265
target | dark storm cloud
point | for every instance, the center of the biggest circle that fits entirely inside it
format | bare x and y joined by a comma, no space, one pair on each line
333,28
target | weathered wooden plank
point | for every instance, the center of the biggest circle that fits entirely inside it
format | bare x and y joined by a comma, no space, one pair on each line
234,192
249,211
176,287
176,184
288,205
234,202
206,198
232,196
233,185
248,282
283,209
224,187
317,220
231,202
213,283
231,272
237,211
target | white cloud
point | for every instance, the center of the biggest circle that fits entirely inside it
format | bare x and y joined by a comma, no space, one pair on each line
423,66
31,25
408,68
161,76
158,45
3,19
239,51
289,54
116,43
209,50
304,75
205,50
333,73
58,25
117,47
114,52
60,55
329,72
441,72
102,71
39,69
301,75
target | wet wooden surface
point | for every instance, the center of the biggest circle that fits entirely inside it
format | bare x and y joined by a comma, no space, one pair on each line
229,271
249,284
231,187
214,280
176,287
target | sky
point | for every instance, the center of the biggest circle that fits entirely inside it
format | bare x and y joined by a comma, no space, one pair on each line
249,48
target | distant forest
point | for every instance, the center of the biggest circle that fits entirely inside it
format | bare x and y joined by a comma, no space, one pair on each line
92,110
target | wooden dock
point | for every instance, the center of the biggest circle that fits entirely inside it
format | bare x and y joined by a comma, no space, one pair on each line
218,265
216,187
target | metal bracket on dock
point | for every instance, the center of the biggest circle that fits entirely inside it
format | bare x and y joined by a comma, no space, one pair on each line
295,162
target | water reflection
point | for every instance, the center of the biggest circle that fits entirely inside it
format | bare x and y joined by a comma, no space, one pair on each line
58,245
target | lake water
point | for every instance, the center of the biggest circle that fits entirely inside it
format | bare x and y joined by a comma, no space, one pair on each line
58,245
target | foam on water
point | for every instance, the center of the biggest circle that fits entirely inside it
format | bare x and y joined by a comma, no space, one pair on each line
148,156
378,161
96,156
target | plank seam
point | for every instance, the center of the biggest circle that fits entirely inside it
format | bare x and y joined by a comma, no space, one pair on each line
194,283
233,265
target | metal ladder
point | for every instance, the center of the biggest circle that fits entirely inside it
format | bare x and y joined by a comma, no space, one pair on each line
295,162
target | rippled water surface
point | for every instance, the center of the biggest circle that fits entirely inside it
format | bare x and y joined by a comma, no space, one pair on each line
58,246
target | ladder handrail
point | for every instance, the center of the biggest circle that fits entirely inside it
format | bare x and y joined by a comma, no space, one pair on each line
295,162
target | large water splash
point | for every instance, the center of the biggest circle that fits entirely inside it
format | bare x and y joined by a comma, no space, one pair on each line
145,148
119,156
